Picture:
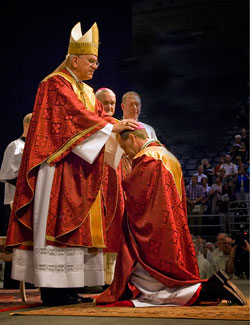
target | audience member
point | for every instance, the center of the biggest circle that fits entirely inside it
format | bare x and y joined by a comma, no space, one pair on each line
238,261
210,246
207,192
209,170
238,161
220,261
238,149
217,167
241,181
203,264
230,169
203,248
216,192
219,243
245,138
226,196
200,173
194,197
222,174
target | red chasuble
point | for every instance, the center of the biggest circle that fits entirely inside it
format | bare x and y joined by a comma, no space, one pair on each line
155,231
65,113
114,206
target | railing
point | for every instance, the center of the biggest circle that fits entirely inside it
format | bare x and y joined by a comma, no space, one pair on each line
238,216
211,225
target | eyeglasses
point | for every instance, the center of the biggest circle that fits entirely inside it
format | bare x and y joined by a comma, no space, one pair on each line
229,244
93,62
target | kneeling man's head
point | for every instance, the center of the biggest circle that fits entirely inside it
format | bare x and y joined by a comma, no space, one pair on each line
132,141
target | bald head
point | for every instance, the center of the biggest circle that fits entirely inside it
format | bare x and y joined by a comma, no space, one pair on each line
108,99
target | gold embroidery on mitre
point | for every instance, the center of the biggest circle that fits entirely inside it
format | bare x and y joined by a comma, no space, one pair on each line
84,44
169,162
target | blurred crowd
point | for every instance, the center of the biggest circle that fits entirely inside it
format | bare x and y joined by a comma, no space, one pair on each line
212,188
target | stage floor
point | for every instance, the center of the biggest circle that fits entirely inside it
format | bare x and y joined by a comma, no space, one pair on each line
5,318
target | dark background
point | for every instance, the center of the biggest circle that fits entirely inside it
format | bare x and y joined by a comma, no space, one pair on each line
188,59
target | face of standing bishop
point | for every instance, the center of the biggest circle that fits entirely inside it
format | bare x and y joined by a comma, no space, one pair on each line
84,66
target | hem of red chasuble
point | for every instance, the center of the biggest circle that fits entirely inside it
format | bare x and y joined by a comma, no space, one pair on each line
194,297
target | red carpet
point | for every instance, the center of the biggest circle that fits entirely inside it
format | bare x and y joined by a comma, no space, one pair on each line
10,299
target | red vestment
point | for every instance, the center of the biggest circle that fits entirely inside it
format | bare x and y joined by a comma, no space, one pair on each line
65,114
114,205
155,231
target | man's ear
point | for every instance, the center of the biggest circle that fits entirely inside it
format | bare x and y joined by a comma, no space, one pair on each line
122,106
74,61
132,137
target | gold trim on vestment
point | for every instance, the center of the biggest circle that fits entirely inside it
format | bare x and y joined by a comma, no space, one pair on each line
83,91
169,161
86,95
68,144
96,228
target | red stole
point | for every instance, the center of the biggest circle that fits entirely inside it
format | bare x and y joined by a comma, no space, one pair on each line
65,113
155,232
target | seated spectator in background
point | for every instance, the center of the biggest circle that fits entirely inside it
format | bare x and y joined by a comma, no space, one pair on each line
203,248
219,243
230,169
219,262
194,197
200,174
209,170
203,264
217,168
207,192
226,196
210,247
241,181
216,192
